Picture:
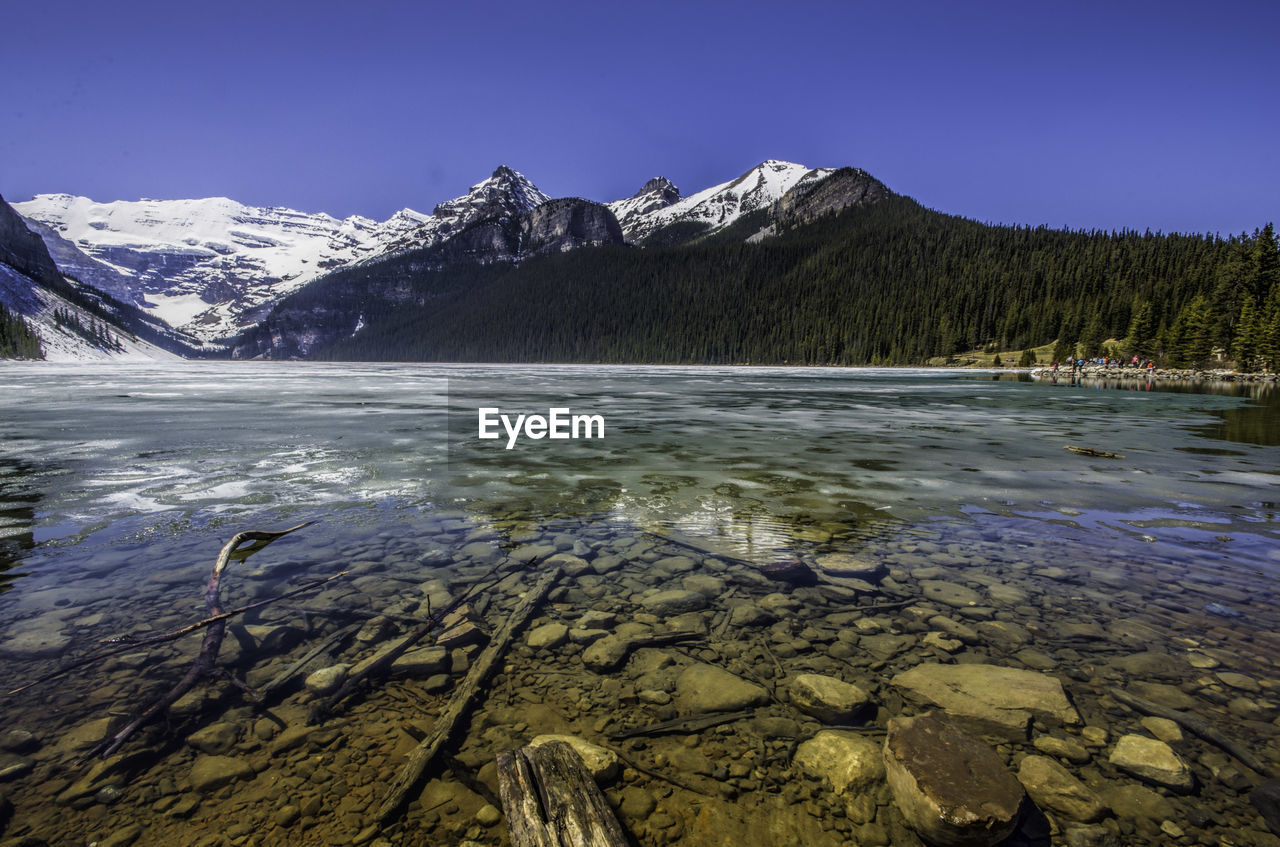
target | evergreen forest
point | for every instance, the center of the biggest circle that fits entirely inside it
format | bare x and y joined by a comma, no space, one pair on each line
17,339
892,283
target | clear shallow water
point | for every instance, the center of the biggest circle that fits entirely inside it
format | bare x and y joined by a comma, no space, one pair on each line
120,484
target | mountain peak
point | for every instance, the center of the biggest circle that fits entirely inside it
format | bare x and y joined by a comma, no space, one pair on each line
505,193
658,185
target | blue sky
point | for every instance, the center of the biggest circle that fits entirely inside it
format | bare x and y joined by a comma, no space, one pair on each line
1081,114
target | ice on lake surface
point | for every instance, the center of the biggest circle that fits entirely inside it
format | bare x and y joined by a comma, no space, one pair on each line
940,517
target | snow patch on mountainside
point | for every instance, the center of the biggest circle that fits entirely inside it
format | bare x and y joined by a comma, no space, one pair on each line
720,205
209,266
37,305
213,267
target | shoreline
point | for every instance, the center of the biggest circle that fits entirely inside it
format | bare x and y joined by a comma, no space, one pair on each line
1098,372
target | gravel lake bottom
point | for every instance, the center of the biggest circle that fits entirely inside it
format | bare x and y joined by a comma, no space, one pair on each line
785,606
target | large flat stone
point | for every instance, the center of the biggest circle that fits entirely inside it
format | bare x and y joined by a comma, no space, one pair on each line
706,688
989,698
951,787
209,773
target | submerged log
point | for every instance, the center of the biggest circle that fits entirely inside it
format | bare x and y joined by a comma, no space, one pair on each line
420,757
550,800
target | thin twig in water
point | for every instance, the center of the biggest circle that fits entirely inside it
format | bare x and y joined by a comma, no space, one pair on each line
129,643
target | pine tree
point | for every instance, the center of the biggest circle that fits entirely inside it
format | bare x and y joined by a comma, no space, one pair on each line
1264,270
1140,339
1062,350
1248,332
1094,335
1028,358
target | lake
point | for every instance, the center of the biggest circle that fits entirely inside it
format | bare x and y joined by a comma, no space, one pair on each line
928,518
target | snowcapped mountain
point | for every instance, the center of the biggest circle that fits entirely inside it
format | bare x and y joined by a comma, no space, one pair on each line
504,195
712,208
657,193
209,266
212,267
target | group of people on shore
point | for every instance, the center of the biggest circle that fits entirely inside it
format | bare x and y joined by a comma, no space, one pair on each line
1108,363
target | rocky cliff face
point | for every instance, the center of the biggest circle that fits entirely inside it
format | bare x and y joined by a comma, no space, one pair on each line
22,250
830,193
562,225
554,226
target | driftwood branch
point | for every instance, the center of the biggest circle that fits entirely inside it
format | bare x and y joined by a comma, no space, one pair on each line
290,672
692,723
203,665
1089,451
420,757
1200,727
129,643
550,800
383,663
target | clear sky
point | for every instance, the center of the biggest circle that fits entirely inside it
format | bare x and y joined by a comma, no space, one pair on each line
1158,115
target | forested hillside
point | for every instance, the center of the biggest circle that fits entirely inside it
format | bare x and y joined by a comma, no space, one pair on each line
17,339
888,283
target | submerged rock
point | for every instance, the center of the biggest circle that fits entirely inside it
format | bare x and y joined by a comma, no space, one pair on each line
950,593
790,570
951,787
1266,799
547,636
606,653
749,614
1054,788
214,739
19,741
706,688
851,566
209,773
850,762
991,698
41,638
673,602
826,698
422,661
327,680
1152,760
